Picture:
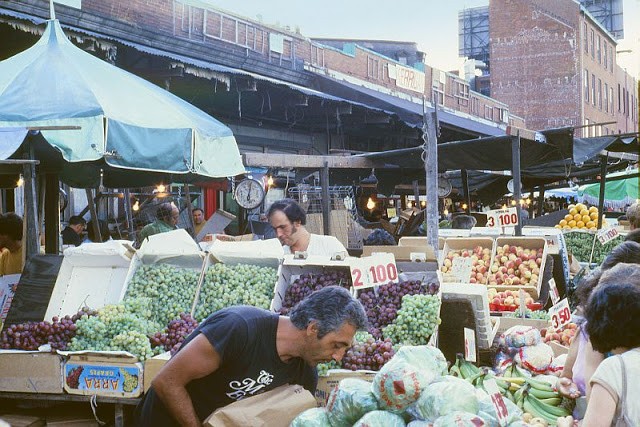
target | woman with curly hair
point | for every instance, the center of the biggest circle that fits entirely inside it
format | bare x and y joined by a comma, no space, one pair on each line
613,325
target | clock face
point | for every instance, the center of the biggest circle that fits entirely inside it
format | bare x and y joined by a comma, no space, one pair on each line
249,193
444,187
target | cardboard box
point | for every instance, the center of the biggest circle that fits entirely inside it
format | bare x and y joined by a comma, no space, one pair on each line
328,382
30,372
558,349
403,253
292,268
274,408
72,421
92,274
508,322
526,243
16,420
216,224
467,243
115,374
152,367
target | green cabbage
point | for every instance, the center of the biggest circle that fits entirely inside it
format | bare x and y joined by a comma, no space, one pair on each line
314,417
349,401
380,419
459,419
445,397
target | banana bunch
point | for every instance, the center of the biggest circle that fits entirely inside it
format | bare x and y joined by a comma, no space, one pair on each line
476,376
535,397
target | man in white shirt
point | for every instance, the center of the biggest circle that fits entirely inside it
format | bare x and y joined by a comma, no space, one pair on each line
288,219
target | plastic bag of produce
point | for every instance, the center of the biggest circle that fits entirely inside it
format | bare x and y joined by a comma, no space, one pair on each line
557,365
459,419
401,380
380,419
535,358
520,336
488,412
444,397
349,401
313,417
419,423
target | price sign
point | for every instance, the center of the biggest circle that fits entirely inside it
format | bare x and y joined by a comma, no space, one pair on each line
470,345
560,314
523,303
391,213
461,268
497,400
502,217
553,291
374,270
607,234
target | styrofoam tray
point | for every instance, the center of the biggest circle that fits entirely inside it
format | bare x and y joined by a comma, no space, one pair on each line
478,296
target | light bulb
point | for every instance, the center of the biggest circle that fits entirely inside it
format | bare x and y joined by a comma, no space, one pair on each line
446,211
504,206
409,204
270,181
371,204
136,206
513,203
161,188
465,206
20,182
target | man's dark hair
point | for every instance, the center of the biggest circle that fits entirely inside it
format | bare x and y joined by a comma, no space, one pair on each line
633,235
331,307
75,220
290,208
11,226
625,252
164,212
463,222
197,209
613,311
104,231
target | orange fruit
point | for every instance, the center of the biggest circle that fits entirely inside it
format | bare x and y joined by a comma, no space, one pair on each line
590,224
584,212
573,211
594,215
562,222
593,209
580,224
586,218
571,223
577,217
569,217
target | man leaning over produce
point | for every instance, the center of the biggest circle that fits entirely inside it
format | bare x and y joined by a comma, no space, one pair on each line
242,351
167,217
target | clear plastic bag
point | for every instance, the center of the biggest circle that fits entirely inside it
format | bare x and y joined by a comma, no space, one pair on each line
445,397
349,401
314,417
459,419
380,419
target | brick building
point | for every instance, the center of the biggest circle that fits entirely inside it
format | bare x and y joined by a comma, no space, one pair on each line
555,65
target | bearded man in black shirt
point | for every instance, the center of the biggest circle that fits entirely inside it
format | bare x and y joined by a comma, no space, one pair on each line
243,351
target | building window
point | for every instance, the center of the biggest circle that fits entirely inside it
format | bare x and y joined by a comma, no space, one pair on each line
599,50
600,94
584,38
612,57
437,96
593,89
373,68
586,85
619,98
611,104
592,43
587,129
605,57
474,105
606,97
488,112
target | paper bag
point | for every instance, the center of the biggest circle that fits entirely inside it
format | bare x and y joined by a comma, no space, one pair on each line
274,408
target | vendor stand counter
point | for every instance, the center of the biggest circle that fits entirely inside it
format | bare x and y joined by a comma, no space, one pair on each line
118,402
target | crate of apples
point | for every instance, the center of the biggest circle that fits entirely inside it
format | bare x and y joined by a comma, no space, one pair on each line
481,261
515,266
509,300
563,337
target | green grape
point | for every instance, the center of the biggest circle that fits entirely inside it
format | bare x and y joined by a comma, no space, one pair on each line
323,368
417,319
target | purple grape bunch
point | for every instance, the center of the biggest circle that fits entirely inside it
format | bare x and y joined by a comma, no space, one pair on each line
31,335
370,354
307,283
382,304
175,333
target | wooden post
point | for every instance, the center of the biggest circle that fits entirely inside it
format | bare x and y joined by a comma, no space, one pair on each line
52,214
603,182
190,209
431,175
515,174
326,201
541,200
32,234
465,189
94,216
128,212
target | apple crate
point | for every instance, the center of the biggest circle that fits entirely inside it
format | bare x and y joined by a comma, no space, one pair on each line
467,244
524,243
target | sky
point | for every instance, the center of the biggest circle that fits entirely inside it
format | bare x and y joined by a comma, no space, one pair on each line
432,24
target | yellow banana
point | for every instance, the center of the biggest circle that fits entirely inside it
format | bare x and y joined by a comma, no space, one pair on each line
512,380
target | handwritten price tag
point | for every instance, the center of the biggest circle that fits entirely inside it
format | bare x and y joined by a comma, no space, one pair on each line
470,345
553,291
502,217
497,400
374,270
560,314
461,268
607,234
